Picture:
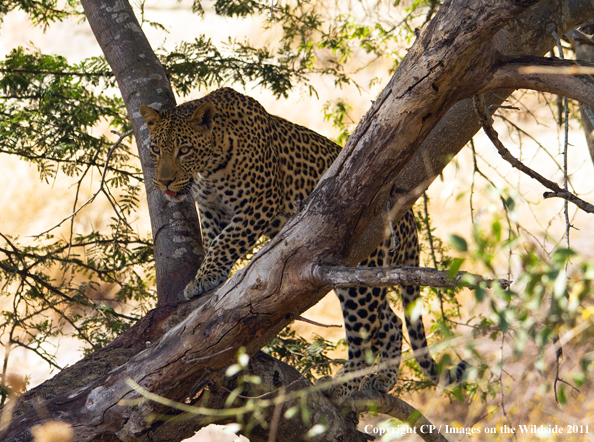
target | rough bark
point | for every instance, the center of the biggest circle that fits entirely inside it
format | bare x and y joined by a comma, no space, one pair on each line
259,301
142,80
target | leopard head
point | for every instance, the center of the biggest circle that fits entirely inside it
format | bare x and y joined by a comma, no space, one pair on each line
180,144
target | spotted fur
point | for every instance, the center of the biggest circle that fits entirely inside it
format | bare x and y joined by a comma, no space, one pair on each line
246,168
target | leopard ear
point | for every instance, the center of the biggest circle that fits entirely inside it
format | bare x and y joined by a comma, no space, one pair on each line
150,115
202,118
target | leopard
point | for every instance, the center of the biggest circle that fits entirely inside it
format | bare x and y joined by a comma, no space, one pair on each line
248,170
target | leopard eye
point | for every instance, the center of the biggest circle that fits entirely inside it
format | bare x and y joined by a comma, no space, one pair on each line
184,150
155,150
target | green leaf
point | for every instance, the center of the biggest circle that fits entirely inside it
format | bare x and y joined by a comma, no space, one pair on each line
458,243
455,267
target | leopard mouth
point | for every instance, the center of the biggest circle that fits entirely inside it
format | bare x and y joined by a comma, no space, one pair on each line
177,196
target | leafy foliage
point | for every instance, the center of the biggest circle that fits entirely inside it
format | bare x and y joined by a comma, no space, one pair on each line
68,285
49,109
310,358
41,12
550,298
200,65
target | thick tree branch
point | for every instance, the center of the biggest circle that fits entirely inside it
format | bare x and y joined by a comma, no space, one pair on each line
344,277
528,34
562,77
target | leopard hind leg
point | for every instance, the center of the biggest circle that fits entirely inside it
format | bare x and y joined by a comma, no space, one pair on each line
373,332
406,253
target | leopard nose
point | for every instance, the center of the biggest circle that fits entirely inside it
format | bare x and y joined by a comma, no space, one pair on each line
166,183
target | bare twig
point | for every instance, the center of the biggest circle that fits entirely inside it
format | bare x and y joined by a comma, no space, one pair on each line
507,156
431,247
501,396
317,324
565,144
76,194
276,415
556,343
38,353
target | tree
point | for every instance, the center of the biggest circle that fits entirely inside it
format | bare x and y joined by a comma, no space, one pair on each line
398,133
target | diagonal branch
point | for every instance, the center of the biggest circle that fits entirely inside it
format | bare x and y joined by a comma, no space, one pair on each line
557,191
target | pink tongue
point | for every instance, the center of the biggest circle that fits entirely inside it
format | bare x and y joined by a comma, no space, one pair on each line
170,192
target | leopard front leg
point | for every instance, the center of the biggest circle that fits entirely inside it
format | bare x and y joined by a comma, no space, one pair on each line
233,241
224,250
203,283
211,226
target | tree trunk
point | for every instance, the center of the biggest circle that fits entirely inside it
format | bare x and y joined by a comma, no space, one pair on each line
384,160
142,80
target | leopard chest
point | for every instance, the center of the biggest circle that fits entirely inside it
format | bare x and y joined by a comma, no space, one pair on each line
213,195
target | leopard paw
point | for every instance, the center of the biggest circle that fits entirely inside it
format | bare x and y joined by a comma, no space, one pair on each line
377,382
199,287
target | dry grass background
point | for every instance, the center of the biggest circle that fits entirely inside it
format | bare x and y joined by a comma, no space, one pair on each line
29,206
